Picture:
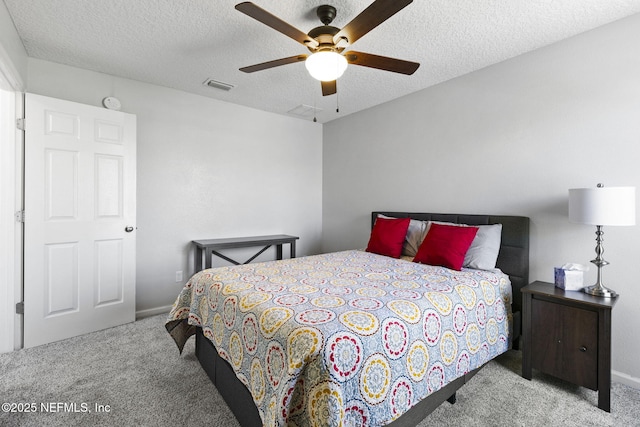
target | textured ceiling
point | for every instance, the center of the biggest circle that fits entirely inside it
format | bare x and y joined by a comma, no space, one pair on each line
181,43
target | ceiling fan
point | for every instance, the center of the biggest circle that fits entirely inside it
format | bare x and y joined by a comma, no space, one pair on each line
328,60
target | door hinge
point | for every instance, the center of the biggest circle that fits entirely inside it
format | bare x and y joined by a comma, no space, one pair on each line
20,123
20,308
20,216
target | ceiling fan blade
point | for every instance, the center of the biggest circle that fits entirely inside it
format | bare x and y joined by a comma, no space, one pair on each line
329,88
374,15
276,23
381,62
274,63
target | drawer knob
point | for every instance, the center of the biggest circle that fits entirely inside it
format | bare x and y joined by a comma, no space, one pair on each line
583,349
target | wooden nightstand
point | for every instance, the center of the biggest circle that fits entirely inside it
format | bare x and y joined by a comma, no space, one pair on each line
567,334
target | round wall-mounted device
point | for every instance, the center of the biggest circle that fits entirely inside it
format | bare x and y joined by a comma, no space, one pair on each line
111,103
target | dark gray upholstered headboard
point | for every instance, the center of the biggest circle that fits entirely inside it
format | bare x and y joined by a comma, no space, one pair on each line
513,258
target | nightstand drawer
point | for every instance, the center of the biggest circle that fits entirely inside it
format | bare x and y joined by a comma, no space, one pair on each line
565,342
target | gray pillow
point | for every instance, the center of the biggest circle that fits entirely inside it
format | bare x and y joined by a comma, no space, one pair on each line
415,235
483,252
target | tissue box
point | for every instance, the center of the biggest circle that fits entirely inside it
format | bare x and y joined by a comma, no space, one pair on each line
569,280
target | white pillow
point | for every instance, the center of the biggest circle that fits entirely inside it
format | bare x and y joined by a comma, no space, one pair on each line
483,252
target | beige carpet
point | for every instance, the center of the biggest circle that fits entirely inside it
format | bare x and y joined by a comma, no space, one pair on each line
136,376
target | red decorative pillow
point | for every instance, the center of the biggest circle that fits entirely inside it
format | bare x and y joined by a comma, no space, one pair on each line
387,236
446,245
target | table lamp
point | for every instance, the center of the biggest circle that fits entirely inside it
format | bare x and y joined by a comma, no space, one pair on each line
602,206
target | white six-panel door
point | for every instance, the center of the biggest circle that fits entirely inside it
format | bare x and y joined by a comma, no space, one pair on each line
80,192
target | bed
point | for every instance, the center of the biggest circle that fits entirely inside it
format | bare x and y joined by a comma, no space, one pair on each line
353,337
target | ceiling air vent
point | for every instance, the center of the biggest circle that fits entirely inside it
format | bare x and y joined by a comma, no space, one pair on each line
218,85
304,111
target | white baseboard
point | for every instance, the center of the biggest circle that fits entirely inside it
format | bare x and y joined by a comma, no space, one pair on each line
141,314
625,379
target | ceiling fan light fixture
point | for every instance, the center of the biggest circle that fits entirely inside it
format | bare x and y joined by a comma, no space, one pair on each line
326,65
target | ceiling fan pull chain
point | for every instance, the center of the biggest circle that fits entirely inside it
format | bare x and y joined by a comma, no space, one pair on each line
315,110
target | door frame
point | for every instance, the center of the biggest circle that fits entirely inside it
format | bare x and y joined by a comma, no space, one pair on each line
11,196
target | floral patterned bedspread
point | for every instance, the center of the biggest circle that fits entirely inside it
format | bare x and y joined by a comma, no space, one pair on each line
349,337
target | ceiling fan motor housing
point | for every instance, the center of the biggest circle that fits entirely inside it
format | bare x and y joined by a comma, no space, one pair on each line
324,36
324,33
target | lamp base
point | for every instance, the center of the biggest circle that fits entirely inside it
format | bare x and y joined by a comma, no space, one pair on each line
600,291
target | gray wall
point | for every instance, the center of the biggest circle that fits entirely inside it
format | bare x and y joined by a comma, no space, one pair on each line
509,139
205,169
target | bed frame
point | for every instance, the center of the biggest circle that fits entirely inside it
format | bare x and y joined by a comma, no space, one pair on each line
513,260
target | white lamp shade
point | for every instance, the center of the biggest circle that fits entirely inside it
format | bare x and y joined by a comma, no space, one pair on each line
603,205
326,66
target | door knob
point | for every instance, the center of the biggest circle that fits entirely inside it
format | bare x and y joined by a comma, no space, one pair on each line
128,229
